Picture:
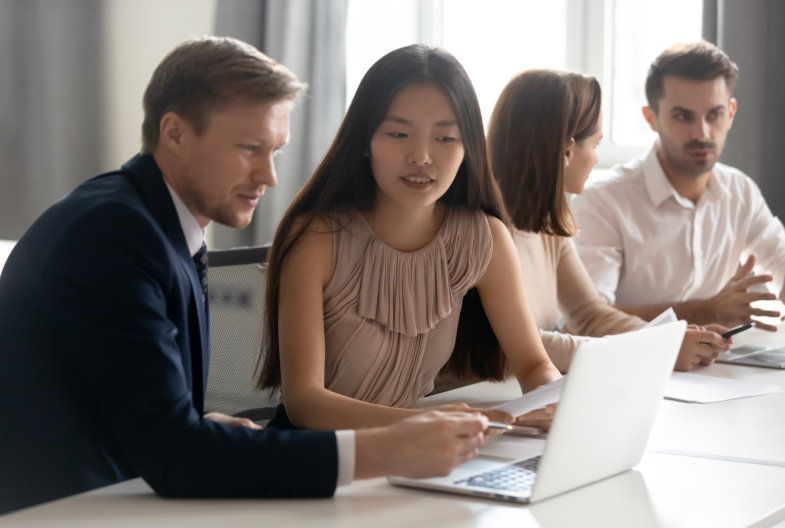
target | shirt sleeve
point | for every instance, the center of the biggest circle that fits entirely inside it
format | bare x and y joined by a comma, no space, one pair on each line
766,237
599,243
346,456
561,347
585,311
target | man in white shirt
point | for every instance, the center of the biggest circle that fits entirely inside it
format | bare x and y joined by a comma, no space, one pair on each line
677,228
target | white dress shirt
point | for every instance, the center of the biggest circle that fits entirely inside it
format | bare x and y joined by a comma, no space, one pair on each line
644,244
194,237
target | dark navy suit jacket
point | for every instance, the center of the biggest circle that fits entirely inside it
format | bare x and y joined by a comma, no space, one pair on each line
103,361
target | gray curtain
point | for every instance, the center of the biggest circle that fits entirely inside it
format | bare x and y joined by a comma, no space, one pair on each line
308,36
50,100
750,32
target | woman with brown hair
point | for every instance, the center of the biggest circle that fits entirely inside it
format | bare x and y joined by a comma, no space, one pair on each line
542,140
370,266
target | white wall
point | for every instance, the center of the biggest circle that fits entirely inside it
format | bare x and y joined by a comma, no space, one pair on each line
138,35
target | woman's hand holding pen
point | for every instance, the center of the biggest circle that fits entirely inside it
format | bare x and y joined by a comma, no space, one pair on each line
701,346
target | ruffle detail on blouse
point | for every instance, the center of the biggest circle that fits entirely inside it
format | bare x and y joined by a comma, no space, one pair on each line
409,293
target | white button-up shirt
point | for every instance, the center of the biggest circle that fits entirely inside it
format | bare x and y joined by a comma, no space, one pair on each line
644,244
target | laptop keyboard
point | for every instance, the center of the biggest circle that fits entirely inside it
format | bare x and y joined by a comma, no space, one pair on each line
769,357
757,355
514,477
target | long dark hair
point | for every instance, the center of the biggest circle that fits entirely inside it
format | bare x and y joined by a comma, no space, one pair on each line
537,114
343,179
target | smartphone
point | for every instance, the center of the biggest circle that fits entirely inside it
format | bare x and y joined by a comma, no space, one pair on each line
736,330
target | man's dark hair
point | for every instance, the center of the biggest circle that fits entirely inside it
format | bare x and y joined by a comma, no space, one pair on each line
695,61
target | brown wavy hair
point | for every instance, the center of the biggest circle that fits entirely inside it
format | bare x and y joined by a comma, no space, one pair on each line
537,114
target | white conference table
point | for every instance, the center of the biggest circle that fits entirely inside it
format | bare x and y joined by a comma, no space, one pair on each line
664,490
744,429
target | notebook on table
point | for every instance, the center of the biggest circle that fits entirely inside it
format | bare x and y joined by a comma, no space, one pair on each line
607,408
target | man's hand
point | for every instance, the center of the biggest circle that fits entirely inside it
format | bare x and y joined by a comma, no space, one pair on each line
732,305
492,415
701,346
231,420
428,444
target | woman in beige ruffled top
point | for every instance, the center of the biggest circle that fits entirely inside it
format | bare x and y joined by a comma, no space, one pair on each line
541,143
370,267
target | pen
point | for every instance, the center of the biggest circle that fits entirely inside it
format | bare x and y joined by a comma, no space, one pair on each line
502,426
734,331
731,332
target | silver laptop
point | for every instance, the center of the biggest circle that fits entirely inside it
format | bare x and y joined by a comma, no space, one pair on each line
755,355
601,426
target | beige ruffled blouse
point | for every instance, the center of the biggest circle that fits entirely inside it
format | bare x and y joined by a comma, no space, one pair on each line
391,317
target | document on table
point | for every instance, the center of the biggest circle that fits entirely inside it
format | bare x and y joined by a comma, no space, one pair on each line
668,316
536,399
698,388
682,386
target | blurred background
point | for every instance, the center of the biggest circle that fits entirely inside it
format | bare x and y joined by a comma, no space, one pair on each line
72,74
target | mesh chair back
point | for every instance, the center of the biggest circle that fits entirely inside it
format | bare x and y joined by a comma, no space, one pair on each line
236,289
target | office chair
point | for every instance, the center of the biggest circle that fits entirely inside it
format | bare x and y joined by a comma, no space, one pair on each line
235,279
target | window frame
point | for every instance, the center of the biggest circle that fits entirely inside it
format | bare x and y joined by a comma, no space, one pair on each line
589,50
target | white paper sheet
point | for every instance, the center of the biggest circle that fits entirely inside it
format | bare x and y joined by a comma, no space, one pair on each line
668,316
536,399
698,388
682,386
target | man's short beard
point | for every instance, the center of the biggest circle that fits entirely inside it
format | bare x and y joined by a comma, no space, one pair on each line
680,162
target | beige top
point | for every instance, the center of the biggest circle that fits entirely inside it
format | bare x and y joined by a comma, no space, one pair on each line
391,317
557,284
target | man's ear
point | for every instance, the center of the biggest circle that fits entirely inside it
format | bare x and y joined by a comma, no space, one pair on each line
732,110
650,116
569,150
172,131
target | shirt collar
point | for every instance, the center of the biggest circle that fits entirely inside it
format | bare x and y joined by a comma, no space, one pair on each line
657,184
194,234
713,190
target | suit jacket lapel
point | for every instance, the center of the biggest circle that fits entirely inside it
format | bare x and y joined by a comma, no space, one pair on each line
150,182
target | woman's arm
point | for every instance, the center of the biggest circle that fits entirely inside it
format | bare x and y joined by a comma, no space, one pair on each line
587,313
504,301
561,347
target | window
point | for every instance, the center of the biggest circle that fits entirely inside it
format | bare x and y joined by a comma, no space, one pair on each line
641,30
495,39
373,29
614,40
